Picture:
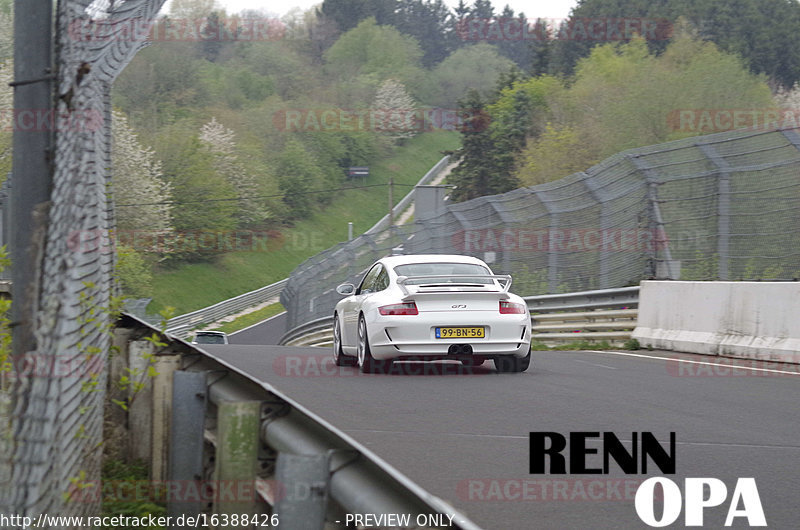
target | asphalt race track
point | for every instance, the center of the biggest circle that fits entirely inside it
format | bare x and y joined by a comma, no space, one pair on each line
463,434
268,331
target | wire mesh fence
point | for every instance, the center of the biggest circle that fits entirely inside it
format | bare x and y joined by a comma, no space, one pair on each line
54,442
717,207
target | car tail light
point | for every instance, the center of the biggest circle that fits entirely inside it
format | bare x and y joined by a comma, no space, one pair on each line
408,308
512,308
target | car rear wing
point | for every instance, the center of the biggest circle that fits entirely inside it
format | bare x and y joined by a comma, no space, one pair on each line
402,281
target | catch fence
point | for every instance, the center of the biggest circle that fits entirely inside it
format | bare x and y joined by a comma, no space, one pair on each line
53,445
719,207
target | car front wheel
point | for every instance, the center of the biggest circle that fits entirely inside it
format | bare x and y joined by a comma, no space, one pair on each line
338,354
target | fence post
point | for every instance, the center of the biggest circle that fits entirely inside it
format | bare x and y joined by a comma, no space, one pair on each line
32,166
723,208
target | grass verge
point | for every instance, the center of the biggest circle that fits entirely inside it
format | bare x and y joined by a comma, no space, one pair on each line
631,344
121,479
251,318
193,286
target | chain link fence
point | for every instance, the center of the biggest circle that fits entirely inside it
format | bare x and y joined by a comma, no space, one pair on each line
54,444
719,207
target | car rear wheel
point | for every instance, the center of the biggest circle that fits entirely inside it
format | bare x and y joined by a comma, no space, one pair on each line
366,362
511,363
338,354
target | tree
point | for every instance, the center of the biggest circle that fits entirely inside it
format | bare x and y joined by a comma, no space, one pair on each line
205,201
349,13
472,67
297,176
137,181
398,109
431,23
134,275
623,97
375,53
219,140
479,172
192,9
763,32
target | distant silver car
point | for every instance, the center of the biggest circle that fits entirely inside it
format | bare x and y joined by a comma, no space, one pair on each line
210,337
431,307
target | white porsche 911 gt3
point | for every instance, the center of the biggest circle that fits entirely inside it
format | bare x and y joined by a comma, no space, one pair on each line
431,307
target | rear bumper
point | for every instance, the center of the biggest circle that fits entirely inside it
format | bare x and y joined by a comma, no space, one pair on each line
413,337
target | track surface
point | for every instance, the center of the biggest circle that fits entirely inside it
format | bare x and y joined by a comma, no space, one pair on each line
269,331
464,435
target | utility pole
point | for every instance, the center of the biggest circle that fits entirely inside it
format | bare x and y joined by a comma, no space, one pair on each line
32,161
391,201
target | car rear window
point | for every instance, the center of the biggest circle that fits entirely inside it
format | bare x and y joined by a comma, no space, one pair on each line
209,339
444,269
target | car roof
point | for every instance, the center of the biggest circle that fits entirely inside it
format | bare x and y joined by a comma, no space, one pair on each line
210,333
393,261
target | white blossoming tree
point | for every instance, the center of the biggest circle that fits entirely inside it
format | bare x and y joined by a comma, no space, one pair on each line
219,140
395,111
137,180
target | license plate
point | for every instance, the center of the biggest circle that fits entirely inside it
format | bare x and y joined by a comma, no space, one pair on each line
460,333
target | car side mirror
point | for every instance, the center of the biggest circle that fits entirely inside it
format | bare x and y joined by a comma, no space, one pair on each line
346,289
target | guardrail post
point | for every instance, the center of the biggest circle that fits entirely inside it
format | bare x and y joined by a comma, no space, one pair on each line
303,482
161,388
238,426
189,400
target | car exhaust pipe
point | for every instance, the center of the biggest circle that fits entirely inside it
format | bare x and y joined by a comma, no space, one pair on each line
459,349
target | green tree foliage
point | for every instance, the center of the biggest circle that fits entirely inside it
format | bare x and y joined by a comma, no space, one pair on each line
623,96
432,24
372,53
298,174
133,273
483,169
204,201
763,32
477,67
347,14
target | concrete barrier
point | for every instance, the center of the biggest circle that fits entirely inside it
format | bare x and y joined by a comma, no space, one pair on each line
755,320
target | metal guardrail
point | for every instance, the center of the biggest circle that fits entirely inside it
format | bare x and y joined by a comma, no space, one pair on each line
568,317
215,428
182,325
593,316
309,333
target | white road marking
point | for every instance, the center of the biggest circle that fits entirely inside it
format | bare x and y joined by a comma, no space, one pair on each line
595,364
257,323
682,360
